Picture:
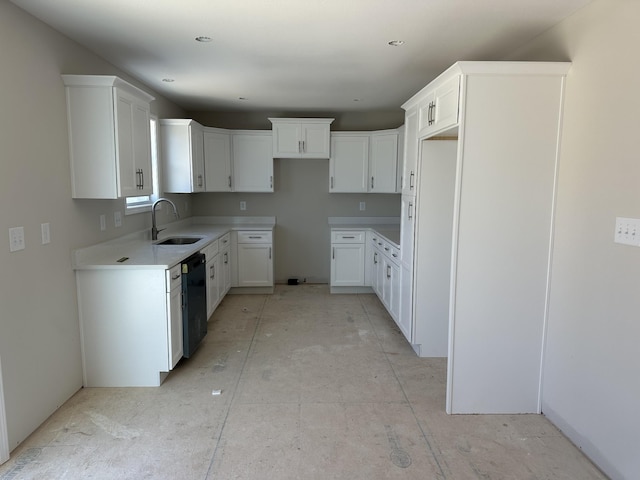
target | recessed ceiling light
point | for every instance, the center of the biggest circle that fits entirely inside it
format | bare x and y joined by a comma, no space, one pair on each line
396,43
203,39
242,98
168,80
356,99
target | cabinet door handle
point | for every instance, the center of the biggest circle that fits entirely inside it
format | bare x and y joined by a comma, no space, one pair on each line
410,211
394,255
271,181
371,183
411,181
386,249
212,271
141,179
199,180
269,253
331,183
299,146
304,146
375,258
333,253
229,181
226,258
388,271
175,277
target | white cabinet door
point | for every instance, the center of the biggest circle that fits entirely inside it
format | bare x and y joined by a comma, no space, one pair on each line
252,162
405,315
407,228
383,162
439,110
315,140
214,286
182,150
410,157
174,315
347,265
394,291
286,140
175,326
225,261
349,163
255,265
217,160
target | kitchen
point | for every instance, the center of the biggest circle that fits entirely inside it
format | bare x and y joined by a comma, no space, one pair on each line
43,331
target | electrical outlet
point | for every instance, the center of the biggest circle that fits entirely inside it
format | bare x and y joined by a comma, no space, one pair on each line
243,205
103,222
117,219
627,231
46,233
363,206
16,239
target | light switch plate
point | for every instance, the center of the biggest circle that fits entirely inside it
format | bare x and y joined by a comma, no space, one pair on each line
16,239
117,219
243,205
103,222
46,233
627,231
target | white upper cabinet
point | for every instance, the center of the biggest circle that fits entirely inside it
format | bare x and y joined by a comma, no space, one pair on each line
217,160
301,137
438,110
383,162
363,162
349,163
182,150
109,137
252,161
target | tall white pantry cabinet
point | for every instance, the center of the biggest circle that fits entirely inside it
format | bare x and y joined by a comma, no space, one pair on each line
482,145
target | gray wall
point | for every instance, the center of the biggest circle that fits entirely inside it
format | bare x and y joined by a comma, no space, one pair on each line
591,385
301,202
39,332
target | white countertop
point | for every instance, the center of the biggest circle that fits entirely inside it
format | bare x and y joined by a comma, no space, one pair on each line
140,252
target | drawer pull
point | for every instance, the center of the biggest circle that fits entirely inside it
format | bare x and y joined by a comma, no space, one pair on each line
386,248
394,255
254,237
344,236
175,277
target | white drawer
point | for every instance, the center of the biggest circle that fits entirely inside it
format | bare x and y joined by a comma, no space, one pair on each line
174,277
347,237
211,250
224,240
254,237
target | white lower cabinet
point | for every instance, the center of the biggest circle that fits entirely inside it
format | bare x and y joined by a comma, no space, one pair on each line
174,314
255,259
131,325
213,277
385,275
347,258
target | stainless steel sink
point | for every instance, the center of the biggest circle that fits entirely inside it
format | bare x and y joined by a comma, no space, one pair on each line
179,241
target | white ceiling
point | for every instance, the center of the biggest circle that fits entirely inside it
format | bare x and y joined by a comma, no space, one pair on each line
296,55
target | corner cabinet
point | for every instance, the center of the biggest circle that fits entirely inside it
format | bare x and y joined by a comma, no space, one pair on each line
182,151
109,137
301,137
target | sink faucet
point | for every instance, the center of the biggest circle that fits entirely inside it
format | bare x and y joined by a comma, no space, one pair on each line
154,228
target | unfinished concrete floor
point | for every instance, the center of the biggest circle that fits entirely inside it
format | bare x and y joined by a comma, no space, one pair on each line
314,386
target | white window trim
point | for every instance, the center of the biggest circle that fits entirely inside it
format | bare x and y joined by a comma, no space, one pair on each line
155,166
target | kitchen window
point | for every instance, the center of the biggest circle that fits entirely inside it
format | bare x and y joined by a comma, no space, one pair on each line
141,204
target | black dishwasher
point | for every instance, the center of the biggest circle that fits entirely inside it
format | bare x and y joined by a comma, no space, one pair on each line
194,303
